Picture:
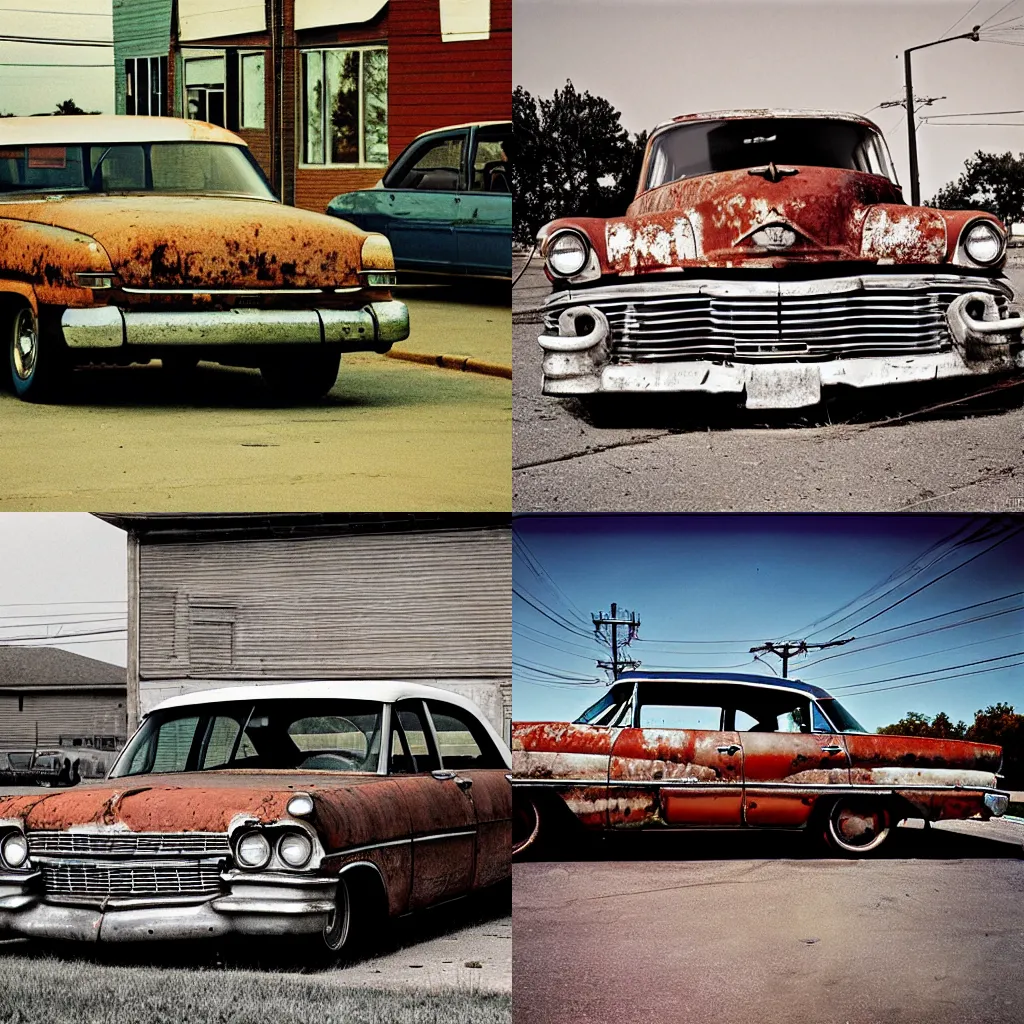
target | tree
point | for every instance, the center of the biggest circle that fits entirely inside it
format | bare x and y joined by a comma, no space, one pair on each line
916,724
990,181
573,157
68,107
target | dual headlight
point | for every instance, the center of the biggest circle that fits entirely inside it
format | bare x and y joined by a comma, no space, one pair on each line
253,850
567,253
983,243
14,850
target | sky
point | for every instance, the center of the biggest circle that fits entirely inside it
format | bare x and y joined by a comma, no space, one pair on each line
58,76
655,59
708,588
63,573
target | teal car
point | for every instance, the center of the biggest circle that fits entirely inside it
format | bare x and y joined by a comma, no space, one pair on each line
445,204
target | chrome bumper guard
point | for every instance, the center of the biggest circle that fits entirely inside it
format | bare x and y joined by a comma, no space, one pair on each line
577,361
267,905
374,328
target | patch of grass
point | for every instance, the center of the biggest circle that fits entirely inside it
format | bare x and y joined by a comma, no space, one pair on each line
56,991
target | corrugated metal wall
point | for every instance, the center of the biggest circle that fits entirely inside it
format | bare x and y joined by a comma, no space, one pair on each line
59,714
142,28
433,607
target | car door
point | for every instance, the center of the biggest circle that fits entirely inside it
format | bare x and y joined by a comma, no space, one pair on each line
787,758
484,227
422,196
675,765
468,751
440,809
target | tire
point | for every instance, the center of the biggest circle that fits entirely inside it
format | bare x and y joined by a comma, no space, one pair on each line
857,827
38,361
302,376
335,936
357,924
525,824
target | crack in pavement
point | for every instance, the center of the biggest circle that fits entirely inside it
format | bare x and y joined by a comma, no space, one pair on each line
599,449
991,475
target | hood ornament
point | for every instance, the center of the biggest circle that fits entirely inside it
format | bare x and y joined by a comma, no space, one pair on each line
772,173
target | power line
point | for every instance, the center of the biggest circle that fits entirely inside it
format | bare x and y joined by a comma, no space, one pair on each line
942,679
542,574
1009,536
536,604
36,10
912,636
631,625
790,649
562,650
961,18
931,671
58,636
552,636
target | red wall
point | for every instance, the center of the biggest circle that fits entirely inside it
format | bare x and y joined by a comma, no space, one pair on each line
432,84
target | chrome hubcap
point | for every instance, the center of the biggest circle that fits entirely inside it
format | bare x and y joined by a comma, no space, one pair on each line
26,344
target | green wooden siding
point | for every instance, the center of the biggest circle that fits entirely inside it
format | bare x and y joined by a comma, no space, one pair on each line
142,28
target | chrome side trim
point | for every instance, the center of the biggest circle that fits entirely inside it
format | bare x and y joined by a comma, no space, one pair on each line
230,291
369,846
838,787
443,835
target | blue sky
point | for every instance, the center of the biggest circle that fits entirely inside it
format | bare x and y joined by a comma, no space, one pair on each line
708,588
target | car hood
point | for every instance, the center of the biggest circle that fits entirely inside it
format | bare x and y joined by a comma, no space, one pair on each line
158,241
711,220
200,802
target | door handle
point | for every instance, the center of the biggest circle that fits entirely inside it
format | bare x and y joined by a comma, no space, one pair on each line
831,750
730,750
444,775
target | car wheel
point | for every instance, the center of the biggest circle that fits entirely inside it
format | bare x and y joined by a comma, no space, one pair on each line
37,362
857,827
339,924
525,824
302,376
357,922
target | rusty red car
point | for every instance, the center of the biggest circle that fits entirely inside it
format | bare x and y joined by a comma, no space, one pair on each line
308,810
678,750
769,254
124,239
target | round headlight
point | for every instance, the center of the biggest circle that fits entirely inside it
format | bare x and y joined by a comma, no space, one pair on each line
984,243
300,805
567,254
14,850
253,850
295,849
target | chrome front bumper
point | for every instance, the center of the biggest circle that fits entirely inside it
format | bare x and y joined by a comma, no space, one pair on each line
256,905
374,328
580,359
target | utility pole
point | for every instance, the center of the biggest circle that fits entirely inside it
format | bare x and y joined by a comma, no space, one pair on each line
631,624
915,188
791,648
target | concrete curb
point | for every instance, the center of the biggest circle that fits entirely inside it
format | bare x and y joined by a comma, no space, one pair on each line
466,363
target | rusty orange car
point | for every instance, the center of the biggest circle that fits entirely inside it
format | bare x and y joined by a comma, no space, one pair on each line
124,239
308,810
690,750
769,254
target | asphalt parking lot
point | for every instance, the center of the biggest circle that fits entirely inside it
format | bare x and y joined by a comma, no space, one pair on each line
837,457
757,927
391,434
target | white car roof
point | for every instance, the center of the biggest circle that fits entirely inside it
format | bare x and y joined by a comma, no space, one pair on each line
81,129
385,690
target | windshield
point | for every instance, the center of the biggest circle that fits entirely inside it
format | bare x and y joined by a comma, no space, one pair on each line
273,735
203,168
839,716
709,146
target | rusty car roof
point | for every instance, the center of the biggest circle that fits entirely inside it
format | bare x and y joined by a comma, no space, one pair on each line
723,677
83,129
759,112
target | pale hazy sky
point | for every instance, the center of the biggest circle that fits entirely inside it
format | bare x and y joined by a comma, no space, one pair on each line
654,59
38,90
62,573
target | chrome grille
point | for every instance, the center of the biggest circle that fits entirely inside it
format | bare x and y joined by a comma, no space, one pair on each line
100,881
694,324
130,844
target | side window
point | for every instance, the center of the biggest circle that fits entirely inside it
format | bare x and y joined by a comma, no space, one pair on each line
680,716
491,165
820,724
436,168
173,743
414,755
220,742
462,741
